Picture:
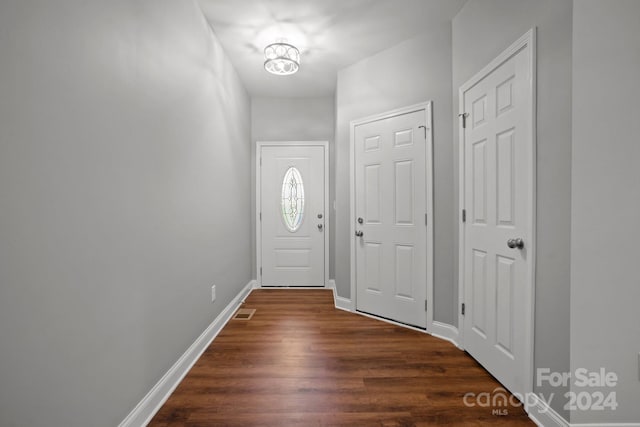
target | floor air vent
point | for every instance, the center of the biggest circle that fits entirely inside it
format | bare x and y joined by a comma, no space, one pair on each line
244,314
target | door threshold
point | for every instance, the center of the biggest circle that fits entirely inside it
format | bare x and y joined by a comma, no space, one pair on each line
394,322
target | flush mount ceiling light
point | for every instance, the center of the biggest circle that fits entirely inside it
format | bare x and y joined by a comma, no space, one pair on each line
281,59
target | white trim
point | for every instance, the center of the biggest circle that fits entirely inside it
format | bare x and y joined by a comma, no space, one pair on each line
445,332
144,411
544,415
604,425
338,301
427,108
327,209
343,303
528,42
293,288
461,207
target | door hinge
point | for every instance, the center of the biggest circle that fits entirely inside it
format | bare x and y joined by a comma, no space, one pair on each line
426,305
464,119
426,219
260,161
464,215
462,309
260,271
260,216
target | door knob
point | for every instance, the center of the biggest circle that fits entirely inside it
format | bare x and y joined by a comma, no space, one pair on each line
320,227
515,243
359,233
360,220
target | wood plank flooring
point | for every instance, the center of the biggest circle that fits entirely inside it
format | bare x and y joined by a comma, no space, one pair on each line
301,362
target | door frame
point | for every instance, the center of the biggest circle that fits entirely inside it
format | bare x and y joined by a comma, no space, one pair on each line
428,113
258,222
528,42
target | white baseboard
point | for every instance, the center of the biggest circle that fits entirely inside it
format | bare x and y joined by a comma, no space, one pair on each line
256,285
153,401
340,302
343,303
445,332
294,288
605,425
544,415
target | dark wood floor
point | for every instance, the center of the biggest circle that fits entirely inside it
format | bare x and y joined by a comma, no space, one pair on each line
301,362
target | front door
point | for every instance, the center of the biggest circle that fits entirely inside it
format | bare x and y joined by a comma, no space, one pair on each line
292,212
391,216
497,234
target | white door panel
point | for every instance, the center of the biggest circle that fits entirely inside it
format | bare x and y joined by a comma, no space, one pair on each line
498,184
391,200
292,226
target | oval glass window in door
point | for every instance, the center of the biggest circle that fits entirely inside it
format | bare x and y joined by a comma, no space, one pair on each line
292,199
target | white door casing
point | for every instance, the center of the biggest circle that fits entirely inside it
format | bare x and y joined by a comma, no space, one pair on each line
292,247
497,194
392,261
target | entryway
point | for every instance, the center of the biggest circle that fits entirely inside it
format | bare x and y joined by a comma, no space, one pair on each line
292,224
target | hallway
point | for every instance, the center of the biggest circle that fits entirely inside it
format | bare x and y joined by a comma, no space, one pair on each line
135,207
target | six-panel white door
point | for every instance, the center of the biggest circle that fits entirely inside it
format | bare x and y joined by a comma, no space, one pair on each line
293,215
497,197
390,208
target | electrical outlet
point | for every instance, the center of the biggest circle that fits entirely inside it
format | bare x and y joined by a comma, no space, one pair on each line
213,293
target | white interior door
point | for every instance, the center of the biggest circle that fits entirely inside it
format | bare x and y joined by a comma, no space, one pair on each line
498,199
391,216
292,199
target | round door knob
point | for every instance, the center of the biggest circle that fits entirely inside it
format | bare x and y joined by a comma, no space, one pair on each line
515,243
320,227
359,233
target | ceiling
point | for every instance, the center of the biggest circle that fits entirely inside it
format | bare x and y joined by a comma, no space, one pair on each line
331,34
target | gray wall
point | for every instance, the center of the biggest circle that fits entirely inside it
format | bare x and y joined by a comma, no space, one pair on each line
124,143
294,119
481,31
414,71
605,288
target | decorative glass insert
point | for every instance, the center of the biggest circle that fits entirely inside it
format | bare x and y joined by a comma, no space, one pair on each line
292,199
